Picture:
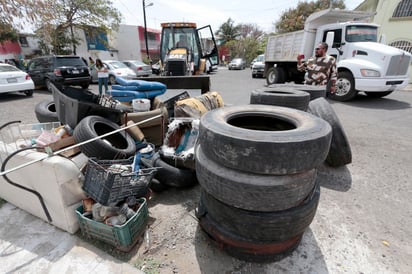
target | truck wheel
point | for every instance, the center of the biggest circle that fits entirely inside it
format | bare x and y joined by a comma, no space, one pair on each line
345,87
264,139
249,191
285,97
275,76
115,146
378,94
340,153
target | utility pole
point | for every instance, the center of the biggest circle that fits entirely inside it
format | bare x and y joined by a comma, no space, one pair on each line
145,31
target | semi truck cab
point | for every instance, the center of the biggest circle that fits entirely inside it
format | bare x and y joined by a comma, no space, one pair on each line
363,63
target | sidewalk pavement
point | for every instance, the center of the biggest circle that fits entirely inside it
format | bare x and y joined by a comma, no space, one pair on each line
30,245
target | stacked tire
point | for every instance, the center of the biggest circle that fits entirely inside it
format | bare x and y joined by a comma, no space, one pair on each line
256,165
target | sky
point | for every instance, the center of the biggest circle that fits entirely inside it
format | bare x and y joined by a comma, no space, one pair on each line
263,13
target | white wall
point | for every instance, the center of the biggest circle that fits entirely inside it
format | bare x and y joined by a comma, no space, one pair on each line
127,42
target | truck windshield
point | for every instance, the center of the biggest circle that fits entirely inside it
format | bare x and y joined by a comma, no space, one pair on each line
178,37
361,33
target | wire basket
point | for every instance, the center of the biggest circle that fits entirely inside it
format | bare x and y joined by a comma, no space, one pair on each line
107,101
123,237
108,181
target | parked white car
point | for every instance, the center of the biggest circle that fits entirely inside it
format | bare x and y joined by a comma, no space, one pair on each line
116,68
13,79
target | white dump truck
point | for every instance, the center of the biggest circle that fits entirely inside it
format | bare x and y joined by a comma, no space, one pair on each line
363,63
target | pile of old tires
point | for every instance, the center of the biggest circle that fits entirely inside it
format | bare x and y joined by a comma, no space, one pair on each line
256,165
310,99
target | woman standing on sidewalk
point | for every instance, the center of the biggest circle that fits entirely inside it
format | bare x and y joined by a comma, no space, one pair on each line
102,76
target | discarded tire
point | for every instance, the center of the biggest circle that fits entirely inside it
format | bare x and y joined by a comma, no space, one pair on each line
46,111
173,176
250,191
177,161
275,226
243,248
286,97
114,146
314,91
340,153
264,139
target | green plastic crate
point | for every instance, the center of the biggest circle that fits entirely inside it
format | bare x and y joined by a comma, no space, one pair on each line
123,237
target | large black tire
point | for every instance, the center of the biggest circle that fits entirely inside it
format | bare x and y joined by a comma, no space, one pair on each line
115,146
275,75
173,176
46,111
340,153
179,162
276,226
264,139
254,192
378,94
345,87
314,91
286,97
244,249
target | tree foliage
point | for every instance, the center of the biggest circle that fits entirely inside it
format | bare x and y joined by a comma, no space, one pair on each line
247,42
228,31
294,18
56,20
15,14
57,28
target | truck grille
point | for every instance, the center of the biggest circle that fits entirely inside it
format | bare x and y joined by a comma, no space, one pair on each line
176,68
398,65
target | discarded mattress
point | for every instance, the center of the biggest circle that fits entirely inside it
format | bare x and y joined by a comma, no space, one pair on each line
130,95
138,85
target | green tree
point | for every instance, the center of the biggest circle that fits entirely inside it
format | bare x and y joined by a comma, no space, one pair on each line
294,18
227,31
15,14
58,28
56,21
248,44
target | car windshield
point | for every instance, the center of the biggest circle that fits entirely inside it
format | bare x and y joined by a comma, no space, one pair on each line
237,60
260,58
69,61
117,64
5,68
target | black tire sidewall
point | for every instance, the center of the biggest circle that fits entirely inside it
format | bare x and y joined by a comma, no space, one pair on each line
276,152
85,130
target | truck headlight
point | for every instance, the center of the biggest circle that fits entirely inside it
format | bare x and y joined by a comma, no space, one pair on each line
370,73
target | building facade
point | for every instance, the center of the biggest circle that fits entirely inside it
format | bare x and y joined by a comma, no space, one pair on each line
128,43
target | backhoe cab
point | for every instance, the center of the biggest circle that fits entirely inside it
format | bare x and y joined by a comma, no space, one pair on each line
184,49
